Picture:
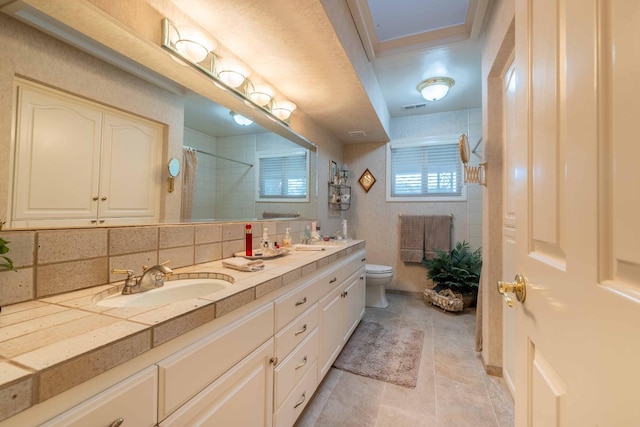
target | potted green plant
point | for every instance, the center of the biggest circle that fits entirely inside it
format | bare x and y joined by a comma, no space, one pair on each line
5,261
456,275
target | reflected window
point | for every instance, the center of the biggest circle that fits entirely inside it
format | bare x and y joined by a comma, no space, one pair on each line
283,176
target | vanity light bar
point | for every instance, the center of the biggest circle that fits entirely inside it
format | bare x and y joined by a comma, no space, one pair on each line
211,65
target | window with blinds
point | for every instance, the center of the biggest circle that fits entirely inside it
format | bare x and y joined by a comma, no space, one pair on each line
425,170
283,177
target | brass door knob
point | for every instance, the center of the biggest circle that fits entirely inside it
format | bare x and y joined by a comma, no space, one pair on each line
518,288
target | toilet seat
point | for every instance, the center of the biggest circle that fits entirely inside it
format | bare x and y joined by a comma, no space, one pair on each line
373,269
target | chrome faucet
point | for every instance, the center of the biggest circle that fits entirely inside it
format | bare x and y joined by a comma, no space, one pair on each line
152,277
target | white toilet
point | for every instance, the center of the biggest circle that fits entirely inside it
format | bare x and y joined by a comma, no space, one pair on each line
377,277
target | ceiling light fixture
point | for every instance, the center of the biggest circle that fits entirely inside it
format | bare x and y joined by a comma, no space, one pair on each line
283,109
193,43
232,72
240,119
261,95
193,47
435,88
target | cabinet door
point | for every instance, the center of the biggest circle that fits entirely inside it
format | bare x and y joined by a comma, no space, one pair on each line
57,160
241,397
355,299
331,324
133,400
130,156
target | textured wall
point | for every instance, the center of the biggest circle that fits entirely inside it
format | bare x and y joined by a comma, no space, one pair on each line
374,219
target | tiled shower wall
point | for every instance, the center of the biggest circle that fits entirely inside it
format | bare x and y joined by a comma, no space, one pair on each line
50,262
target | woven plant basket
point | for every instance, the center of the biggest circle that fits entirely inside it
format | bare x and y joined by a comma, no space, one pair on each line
445,299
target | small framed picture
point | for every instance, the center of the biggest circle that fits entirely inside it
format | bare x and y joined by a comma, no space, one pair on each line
367,180
333,172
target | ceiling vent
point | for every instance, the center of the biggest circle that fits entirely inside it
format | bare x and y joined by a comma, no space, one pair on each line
357,134
413,107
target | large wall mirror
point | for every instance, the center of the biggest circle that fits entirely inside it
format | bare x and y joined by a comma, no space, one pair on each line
229,183
243,171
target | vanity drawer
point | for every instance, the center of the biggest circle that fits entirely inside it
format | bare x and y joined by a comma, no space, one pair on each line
289,372
298,399
134,400
187,372
329,280
293,334
292,304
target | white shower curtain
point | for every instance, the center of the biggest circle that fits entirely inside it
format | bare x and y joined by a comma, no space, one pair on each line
190,167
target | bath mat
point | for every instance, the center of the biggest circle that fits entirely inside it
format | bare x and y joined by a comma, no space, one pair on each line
386,353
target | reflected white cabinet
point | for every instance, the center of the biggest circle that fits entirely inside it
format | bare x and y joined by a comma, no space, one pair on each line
81,164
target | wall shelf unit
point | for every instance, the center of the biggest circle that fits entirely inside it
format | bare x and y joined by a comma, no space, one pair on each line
339,197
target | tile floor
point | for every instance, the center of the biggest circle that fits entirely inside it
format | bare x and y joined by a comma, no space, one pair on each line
452,388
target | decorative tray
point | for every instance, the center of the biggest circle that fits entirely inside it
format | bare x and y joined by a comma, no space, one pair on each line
263,255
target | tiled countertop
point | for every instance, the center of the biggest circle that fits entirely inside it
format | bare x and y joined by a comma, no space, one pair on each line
50,345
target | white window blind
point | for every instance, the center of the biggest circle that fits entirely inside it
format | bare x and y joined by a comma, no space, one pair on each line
425,170
283,176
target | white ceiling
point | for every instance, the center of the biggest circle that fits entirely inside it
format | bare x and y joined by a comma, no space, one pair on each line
406,42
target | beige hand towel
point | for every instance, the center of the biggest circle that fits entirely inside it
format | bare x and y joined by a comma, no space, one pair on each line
243,264
411,238
437,234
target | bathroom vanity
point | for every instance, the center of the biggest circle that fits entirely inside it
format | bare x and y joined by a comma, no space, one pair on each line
262,347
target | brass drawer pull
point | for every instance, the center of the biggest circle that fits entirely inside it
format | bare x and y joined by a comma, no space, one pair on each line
303,330
304,396
117,423
304,362
302,301
333,280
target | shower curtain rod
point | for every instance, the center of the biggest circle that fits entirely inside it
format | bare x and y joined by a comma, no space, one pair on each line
219,157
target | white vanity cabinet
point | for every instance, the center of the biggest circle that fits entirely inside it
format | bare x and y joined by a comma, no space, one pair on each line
241,397
76,161
260,366
194,372
340,312
295,376
132,402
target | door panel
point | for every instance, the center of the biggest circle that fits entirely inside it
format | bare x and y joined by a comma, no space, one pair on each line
621,198
545,141
577,233
546,390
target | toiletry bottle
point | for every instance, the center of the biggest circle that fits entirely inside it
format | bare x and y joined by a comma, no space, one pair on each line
344,229
264,242
248,240
287,239
307,234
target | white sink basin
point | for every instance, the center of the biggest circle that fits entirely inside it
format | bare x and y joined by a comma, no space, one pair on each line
172,291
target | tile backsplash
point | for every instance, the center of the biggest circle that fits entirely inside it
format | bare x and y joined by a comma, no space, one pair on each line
50,262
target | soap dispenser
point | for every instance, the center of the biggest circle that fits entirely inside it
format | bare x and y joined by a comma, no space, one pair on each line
286,242
264,242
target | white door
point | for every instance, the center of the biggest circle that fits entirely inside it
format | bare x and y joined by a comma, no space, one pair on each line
577,228
509,220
